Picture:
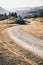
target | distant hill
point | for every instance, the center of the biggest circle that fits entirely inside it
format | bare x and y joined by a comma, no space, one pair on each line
2,11
27,10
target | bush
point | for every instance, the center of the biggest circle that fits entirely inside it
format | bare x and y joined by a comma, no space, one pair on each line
21,22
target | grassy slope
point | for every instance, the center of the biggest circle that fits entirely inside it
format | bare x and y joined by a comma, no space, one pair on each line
7,57
36,28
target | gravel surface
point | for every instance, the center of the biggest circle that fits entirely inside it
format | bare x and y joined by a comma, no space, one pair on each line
28,41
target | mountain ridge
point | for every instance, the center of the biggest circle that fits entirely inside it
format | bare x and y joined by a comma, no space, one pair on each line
3,11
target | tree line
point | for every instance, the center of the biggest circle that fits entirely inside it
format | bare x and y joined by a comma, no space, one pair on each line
5,16
35,15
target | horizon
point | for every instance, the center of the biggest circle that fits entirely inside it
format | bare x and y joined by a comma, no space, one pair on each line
20,7
10,4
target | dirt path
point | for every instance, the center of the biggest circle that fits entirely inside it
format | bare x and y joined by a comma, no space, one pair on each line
10,48
27,60
16,51
27,41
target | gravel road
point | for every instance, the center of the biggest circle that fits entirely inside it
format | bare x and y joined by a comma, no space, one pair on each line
27,41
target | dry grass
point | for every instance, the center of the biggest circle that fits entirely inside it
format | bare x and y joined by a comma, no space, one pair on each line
7,20
9,50
36,28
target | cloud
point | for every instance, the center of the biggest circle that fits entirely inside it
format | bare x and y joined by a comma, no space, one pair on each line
20,3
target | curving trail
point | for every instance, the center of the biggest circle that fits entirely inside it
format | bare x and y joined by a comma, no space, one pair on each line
10,48
27,41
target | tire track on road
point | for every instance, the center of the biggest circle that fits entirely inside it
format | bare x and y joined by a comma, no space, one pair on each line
10,49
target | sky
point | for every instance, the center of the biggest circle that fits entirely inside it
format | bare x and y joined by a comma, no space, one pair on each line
10,4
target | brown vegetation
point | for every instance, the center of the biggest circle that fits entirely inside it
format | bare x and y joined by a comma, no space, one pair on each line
35,28
13,54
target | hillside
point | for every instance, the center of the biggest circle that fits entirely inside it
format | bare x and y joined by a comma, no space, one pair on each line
35,27
26,11
10,51
2,11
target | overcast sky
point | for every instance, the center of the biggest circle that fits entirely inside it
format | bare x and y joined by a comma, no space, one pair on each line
9,4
